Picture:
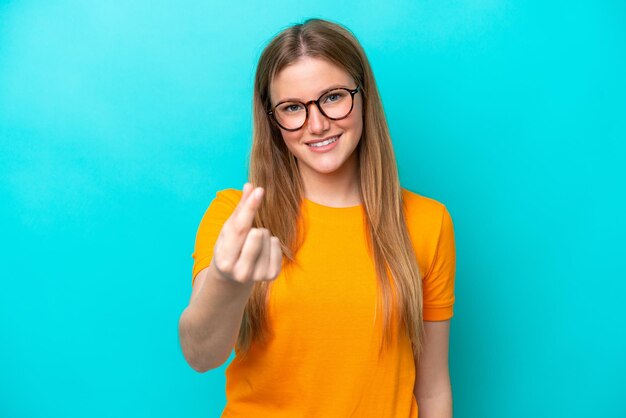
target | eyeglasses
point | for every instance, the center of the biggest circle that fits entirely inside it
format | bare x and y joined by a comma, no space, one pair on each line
335,104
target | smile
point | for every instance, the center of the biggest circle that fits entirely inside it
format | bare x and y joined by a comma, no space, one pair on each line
322,144
325,146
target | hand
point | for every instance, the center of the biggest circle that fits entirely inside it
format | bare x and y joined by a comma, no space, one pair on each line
244,254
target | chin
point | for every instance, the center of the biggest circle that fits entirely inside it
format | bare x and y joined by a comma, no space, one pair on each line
328,169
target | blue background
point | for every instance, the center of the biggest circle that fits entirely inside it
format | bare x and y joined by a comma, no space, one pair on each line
120,120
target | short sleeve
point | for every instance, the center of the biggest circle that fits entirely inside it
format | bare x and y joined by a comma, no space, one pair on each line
219,210
438,283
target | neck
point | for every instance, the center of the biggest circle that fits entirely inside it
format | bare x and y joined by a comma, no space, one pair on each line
337,189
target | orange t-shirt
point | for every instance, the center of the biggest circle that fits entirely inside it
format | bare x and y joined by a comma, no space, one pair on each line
321,359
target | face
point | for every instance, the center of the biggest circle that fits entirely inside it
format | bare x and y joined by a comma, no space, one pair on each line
305,80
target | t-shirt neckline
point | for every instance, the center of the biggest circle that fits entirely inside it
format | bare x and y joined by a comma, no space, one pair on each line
330,213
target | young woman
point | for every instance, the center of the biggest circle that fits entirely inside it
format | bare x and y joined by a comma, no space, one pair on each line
334,285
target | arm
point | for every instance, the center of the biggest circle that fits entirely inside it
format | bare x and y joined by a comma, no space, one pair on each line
433,391
209,326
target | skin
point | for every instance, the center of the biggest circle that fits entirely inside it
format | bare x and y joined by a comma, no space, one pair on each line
432,389
329,178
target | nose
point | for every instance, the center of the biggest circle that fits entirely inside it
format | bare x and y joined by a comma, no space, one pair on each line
317,122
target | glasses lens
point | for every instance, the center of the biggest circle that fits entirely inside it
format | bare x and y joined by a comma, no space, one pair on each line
290,115
336,103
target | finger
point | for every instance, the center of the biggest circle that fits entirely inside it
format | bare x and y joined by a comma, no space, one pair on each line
244,267
245,216
262,264
235,230
226,256
276,259
247,189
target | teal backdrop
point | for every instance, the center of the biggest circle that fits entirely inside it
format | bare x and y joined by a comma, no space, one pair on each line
120,120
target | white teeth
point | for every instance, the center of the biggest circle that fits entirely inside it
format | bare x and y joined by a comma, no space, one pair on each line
323,143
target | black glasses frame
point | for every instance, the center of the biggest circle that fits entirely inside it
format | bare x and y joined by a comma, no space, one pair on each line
317,103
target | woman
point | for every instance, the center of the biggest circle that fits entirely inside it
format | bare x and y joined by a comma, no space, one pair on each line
334,285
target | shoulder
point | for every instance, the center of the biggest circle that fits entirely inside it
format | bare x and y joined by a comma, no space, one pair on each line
429,225
421,209
232,196
223,204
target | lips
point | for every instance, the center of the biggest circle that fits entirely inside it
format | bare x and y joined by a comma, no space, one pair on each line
314,141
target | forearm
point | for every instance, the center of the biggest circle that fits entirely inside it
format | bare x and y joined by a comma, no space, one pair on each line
434,400
209,326
437,406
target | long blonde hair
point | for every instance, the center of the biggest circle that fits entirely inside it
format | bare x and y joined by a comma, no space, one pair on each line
274,168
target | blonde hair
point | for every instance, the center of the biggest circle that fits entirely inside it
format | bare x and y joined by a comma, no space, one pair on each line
274,168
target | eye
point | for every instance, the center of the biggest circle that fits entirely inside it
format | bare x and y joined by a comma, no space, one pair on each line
334,96
290,107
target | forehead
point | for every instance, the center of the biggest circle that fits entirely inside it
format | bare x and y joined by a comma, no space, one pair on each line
306,78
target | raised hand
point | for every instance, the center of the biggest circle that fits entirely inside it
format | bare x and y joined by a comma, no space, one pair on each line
244,254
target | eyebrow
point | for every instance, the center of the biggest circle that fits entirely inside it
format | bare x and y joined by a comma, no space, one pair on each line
295,99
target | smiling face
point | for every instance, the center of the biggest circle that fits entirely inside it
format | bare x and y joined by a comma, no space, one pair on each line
304,80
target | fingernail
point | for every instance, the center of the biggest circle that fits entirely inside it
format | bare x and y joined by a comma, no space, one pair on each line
257,193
